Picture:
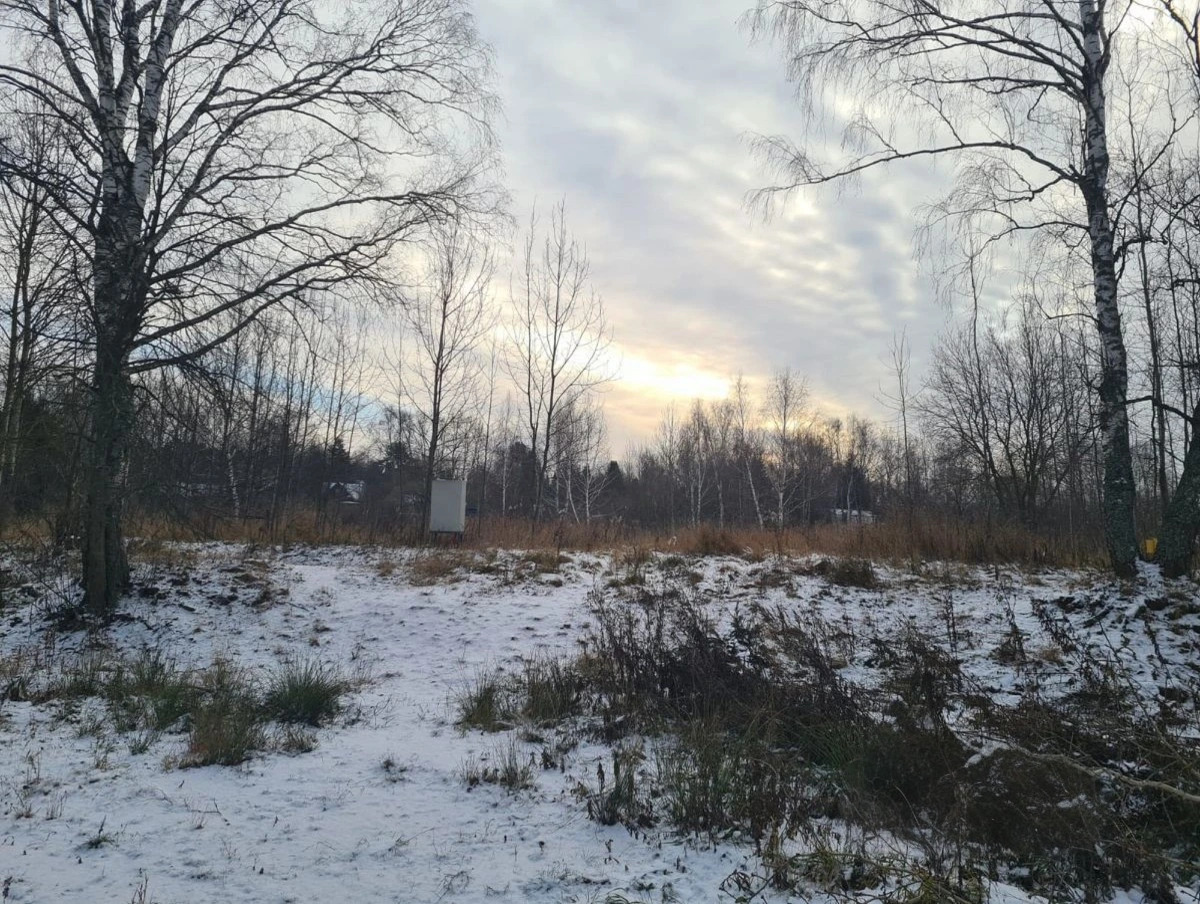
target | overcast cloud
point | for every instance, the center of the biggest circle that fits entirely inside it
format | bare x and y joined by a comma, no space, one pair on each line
637,113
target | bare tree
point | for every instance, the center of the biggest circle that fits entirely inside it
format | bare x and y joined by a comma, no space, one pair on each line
785,407
899,399
860,454
1005,399
241,156
747,441
696,458
448,319
1016,93
36,260
557,335
666,449
721,418
581,456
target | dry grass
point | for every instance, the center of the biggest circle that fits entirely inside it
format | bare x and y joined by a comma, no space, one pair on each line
161,554
439,566
543,561
23,529
925,539
707,540
895,541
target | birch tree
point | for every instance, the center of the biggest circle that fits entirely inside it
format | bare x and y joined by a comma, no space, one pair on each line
1015,92
240,156
558,335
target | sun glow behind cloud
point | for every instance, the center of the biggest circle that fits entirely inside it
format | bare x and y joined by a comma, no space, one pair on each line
637,114
672,380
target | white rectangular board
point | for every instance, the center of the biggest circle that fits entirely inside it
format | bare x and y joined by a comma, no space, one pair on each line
448,507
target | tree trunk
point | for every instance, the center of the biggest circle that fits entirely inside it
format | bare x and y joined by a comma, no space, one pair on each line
117,268
1158,420
754,494
105,566
720,499
504,479
1181,521
1119,533
541,461
1114,420
430,473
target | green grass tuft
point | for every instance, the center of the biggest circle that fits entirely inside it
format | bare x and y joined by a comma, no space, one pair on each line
305,692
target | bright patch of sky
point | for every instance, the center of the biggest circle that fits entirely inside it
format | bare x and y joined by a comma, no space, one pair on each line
638,114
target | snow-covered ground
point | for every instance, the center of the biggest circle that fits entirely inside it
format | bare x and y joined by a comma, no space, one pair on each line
379,811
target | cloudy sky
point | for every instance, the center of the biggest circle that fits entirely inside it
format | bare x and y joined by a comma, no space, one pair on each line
637,113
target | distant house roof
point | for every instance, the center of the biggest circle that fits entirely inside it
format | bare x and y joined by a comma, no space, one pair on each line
347,491
854,516
196,488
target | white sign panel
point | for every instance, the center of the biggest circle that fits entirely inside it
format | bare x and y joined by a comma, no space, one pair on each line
448,507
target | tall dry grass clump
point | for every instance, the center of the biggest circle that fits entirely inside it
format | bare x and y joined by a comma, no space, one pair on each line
921,538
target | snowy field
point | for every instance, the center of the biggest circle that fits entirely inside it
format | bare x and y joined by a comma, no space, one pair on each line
379,810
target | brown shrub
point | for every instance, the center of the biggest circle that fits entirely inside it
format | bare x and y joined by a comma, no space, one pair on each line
438,566
707,540
853,573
